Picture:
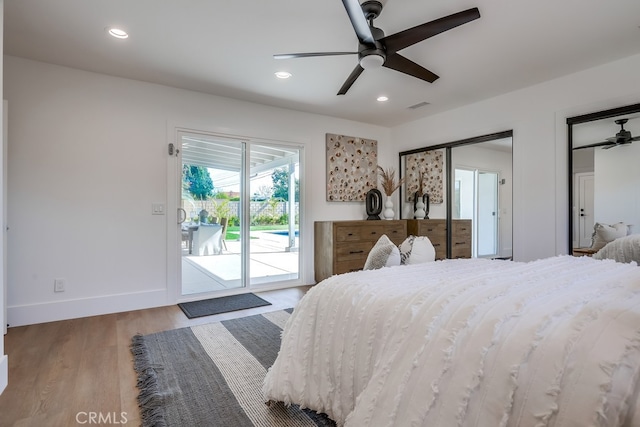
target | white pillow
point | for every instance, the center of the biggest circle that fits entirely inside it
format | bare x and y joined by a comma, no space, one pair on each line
421,251
603,234
405,249
624,249
383,254
394,257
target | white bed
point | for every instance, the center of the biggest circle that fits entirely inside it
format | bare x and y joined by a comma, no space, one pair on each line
468,342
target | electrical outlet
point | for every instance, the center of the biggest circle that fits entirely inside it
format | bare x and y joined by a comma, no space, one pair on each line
59,285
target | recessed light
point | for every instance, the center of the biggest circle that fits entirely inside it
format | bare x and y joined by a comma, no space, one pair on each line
283,74
117,33
382,99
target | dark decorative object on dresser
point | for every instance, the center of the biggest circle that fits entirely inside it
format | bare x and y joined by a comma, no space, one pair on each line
373,203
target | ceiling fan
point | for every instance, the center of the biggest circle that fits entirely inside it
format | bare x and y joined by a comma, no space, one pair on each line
375,49
621,138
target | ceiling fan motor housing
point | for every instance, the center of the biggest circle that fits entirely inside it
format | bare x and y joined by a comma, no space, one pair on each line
372,55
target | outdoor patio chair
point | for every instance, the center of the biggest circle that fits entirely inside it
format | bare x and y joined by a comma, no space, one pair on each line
223,223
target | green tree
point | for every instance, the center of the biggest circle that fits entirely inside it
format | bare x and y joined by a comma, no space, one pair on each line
280,179
198,181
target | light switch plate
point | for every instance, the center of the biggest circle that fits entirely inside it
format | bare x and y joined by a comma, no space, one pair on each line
157,209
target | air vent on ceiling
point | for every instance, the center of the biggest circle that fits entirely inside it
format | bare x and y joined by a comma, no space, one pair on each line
418,105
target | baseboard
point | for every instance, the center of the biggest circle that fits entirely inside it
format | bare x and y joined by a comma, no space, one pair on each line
73,309
4,372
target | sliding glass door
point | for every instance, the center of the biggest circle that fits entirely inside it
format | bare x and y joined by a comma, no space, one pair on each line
273,214
239,213
211,184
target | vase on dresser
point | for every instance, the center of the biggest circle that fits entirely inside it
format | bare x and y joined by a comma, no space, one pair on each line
388,209
420,213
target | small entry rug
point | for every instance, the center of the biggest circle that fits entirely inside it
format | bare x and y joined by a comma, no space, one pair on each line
212,375
213,306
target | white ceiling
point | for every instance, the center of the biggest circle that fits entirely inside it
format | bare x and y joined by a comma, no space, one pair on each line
226,47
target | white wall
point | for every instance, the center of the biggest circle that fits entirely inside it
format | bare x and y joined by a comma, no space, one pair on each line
82,146
537,116
616,178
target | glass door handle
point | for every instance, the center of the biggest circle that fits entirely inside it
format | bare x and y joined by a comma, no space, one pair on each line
182,215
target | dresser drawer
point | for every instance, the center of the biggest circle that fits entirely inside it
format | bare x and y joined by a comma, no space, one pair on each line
441,253
353,250
461,251
348,266
462,229
396,232
358,233
433,229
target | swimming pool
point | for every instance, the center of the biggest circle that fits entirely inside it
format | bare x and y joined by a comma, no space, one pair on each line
283,232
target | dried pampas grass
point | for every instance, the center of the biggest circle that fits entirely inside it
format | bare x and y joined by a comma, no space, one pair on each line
388,180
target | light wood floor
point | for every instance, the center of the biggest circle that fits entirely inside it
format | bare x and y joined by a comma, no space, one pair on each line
61,369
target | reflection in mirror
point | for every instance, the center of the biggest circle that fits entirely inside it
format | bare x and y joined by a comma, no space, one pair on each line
604,175
469,186
482,193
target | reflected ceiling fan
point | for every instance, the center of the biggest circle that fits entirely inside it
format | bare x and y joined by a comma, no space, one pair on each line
621,138
375,49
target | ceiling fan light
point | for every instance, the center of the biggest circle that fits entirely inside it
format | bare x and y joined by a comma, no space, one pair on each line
283,74
371,61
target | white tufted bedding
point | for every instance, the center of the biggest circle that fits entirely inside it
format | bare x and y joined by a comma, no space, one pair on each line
467,343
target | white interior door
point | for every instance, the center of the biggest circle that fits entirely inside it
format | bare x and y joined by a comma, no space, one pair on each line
585,207
487,242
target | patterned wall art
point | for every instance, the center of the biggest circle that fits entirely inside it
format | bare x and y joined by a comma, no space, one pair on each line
431,165
351,167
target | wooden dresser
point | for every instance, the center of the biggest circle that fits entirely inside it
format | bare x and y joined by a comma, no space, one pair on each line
436,231
343,246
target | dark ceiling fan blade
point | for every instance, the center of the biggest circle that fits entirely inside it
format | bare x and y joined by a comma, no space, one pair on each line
310,54
635,138
406,38
359,22
400,63
603,144
351,79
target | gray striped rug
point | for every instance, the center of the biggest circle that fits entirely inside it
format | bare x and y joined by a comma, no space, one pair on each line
211,375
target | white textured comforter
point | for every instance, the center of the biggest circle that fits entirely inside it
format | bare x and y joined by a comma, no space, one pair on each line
467,343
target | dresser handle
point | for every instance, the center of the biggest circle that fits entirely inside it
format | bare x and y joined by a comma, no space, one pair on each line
429,229
436,244
356,252
349,234
460,243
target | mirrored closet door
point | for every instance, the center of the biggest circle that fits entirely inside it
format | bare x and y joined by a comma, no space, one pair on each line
603,175
467,186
